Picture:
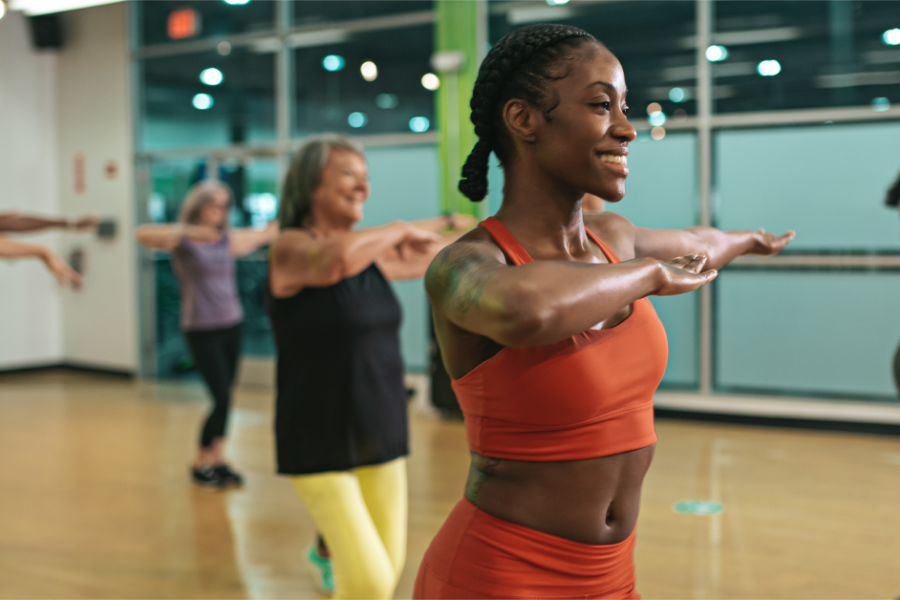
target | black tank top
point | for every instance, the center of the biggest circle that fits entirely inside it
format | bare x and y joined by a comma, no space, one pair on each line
341,399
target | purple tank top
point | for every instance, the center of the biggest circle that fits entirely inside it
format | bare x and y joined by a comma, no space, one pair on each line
205,273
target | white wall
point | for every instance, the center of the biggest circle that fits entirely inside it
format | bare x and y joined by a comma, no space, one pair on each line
31,331
94,112
54,105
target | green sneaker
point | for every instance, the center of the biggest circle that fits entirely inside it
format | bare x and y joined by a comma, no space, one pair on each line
320,568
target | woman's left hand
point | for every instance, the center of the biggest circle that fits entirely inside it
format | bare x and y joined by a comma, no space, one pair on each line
768,244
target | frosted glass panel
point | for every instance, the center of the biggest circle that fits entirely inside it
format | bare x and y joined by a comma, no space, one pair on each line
816,334
826,182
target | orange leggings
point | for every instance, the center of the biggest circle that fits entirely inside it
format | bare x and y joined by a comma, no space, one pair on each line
475,555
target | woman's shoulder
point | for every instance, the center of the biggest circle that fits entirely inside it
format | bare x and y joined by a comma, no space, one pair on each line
614,230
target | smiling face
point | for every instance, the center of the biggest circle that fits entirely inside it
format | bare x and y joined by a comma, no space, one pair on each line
215,212
344,189
583,141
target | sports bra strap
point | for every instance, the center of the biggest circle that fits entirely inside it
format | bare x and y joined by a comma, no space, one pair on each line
511,248
517,253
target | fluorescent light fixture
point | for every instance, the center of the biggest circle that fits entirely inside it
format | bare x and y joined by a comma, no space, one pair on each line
769,68
881,104
557,2
211,76
678,94
202,101
387,101
237,2
357,120
333,62
891,37
430,81
716,53
45,7
419,124
2,9
369,71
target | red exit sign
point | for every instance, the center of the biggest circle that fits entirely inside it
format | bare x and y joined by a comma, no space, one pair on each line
183,23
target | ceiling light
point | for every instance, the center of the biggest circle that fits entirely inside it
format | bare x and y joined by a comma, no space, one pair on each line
657,119
677,94
768,68
653,107
211,76
658,133
881,104
386,101
891,37
430,81
419,124
369,71
2,9
202,101
333,62
716,53
237,2
557,2
357,120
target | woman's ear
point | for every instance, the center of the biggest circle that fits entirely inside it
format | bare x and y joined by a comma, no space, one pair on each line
520,119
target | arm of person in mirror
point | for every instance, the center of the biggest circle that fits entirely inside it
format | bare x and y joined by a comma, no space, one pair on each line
18,223
167,236
65,275
246,240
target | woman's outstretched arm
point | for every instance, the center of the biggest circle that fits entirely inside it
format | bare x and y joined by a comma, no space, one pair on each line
543,302
720,247
16,223
65,275
168,236
300,260
245,240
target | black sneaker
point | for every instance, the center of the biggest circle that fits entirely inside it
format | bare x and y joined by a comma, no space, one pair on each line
207,477
229,477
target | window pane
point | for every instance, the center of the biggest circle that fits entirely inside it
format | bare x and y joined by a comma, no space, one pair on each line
800,178
179,110
212,19
653,40
813,54
333,95
308,13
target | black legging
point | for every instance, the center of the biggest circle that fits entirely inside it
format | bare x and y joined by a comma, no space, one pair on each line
216,354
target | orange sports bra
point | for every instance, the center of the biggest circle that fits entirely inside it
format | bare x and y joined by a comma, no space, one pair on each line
586,396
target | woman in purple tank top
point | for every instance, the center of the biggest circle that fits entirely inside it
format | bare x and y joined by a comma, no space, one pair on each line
203,252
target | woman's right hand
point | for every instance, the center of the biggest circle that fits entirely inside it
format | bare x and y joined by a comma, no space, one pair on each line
684,274
416,239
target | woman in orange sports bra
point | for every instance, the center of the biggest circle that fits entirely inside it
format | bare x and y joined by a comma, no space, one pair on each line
546,330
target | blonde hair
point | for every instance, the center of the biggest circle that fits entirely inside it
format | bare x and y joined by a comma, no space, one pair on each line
305,175
201,194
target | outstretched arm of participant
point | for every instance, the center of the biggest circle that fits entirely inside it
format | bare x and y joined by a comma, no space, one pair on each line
168,236
543,302
245,240
16,223
721,247
457,223
300,260
65,275
406,262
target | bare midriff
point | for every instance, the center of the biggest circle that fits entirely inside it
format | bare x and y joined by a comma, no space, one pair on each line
592,501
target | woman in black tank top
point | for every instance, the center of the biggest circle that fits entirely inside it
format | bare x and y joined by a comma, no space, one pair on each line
340,420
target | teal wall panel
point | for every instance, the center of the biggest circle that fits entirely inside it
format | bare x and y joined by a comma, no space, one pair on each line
828,183
679,315
661,190
809,333
405,185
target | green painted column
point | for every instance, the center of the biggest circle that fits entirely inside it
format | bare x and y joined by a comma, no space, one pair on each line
460,27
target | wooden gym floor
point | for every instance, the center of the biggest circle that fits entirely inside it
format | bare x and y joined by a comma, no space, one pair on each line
95,502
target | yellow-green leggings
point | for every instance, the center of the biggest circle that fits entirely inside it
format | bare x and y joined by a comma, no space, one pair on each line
362,516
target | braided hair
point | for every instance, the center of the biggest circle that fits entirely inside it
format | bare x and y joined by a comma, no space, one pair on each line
519,66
